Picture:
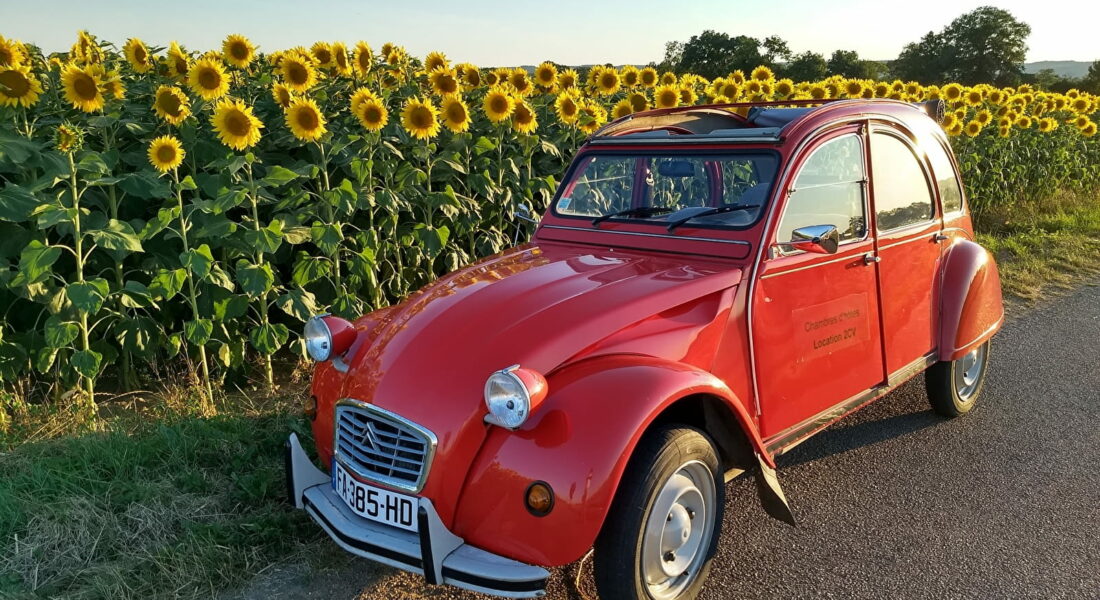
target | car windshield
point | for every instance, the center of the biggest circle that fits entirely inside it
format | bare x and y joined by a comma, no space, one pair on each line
727,190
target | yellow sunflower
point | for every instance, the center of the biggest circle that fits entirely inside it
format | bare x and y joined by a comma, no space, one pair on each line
456,116
360,96
498,104
1046,125
984,117
178,61
113,86
567,79
444,81
737,76
521,81
638,101
631,76
68,138
137,55
12,53
436,60
207,78
524,119
688,97
166,153
420,118
282,95
591,116
666,96
784,88
648,77
235,124
820,92
608,81
340,59
19,87
1004,130
952,92
669,78
82,87
362,59
305,120
171,104
86,50
622,108
853,88
973,97
238,51
471,75
1089,130
546,75
1024,122
322,53
298,72
973,128
372,114
568,107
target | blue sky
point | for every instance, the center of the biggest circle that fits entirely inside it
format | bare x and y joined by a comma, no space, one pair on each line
526,32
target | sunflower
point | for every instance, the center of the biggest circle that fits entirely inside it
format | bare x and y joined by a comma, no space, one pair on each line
762,73
12,53
420,118
591,116
444,81
86,50
471,75
322,53
631,76
567,79
728,88
638,101
666,96
372,114
362,59
82,87
668,78
238,50
298,72
305,120
396,56
567,106
546,75
648,77
166,153
608,81
455,114
387,48
237,127
137,55
1024,122
973,97
19,87
113,86
492,78
984,117
784,88
360,96
178,61
1047,125
207,78
819,92
688,97
340,59
949,121
622,109
853,88
68,138
955,129
524,119
521,81
952,92
973,128
737,76
1089,130
498,104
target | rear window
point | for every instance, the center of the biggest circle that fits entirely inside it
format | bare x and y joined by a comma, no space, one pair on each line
669,185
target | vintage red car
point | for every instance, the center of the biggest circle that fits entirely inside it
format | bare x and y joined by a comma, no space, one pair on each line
710,286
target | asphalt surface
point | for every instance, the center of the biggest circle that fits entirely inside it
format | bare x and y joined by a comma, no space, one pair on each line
895,502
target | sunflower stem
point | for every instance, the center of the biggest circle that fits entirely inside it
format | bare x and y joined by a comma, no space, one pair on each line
330,215
193,299
269,371
78,250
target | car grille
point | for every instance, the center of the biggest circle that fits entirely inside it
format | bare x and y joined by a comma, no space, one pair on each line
380,446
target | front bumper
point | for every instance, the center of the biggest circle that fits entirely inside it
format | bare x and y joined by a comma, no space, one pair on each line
433,551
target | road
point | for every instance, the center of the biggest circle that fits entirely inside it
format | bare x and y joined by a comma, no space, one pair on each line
895,502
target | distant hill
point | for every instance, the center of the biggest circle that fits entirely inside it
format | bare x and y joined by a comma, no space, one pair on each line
1065,68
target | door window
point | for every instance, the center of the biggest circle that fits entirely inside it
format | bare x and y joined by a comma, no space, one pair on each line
829,191
946,181
902,194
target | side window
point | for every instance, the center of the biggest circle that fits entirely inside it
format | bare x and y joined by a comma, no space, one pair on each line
902,195
946,181
606,185
829,191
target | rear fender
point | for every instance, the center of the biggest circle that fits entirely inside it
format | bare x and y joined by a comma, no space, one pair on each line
579,443
971,306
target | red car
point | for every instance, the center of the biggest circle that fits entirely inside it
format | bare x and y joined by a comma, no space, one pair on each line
710,286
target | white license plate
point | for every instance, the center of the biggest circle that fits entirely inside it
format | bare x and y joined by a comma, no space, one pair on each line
374,503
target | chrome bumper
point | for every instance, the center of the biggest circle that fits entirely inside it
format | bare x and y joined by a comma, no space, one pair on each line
434,552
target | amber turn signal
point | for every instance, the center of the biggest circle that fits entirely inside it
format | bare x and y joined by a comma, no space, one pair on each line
540,499
310,407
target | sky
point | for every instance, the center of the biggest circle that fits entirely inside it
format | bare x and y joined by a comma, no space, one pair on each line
526,32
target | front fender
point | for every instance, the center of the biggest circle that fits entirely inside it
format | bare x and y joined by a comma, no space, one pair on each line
971,306
579,442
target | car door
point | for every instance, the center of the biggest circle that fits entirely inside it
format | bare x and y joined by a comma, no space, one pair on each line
908,236
815,319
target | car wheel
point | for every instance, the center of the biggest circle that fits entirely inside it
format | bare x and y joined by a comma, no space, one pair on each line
662,530
954,385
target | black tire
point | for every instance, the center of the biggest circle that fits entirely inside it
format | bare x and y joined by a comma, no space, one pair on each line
617,560
942,381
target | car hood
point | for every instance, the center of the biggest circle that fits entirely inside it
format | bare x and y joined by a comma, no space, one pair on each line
427,359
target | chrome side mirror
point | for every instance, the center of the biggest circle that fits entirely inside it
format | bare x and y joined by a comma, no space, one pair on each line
523,213
821,239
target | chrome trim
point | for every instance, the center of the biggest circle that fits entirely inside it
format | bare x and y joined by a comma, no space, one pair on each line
926,237
684,139
397,420
641,234
851,257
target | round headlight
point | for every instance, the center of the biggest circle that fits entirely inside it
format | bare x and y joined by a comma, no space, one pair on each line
318,339
512,394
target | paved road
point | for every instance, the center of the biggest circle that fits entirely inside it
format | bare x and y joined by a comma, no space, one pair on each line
894,502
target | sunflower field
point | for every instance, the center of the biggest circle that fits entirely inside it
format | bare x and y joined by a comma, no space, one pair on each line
165,207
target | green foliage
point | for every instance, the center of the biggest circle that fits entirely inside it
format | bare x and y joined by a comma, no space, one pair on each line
986,45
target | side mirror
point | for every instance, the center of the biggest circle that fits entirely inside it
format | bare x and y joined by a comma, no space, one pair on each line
821,239
523,212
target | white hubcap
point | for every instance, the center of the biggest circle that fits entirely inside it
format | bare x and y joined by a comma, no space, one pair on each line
678,531
968,373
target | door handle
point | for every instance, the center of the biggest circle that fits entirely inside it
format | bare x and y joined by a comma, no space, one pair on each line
871,258
940,238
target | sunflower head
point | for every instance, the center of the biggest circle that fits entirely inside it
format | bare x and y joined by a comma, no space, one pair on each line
444,81
178,61
362,59
238,50
498,104
1024,122
492,78
322,53
360,96
208,79
305,121
631,76
455,114
282,95
113,86
567,105
86,50
622,108
298,72
666,96
521,81
762,73
820,92
68,138
523,118
688,97
607,81
567,79
638,101
340,62
436,60
166,153
12,53
235,124
669,78
753,87
82,87
19,87
784,88
372,114
983,117
420,118
171,104
137,55
591,116
973,97
546,75
1047,124
973,128
648,77
1089,130
471,75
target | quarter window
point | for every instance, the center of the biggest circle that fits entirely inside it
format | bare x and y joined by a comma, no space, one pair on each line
829,191
946,181
902,195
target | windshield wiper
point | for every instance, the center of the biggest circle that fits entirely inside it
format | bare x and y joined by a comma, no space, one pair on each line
714,211
637,211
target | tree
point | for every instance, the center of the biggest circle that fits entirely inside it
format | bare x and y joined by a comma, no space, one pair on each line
808,66
848,64
922,61
985,45
1091,82
716,54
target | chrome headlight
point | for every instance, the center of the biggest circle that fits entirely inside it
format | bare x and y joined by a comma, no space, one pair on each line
318,339
512,394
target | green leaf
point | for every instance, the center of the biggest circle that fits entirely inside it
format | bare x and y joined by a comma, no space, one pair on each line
198,260
308,269
118,235
91,163
255,280
18,148
173,344
269,337
16,204
277,176
88,296
138,336
45,359
229,306
299,304
87,362
327,237
134,294
188,183
267,239
164,218
60,333
198,331
166,284
297,235
146,185
432,239
35,261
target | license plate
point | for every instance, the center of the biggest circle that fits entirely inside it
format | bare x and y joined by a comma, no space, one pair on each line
374,503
